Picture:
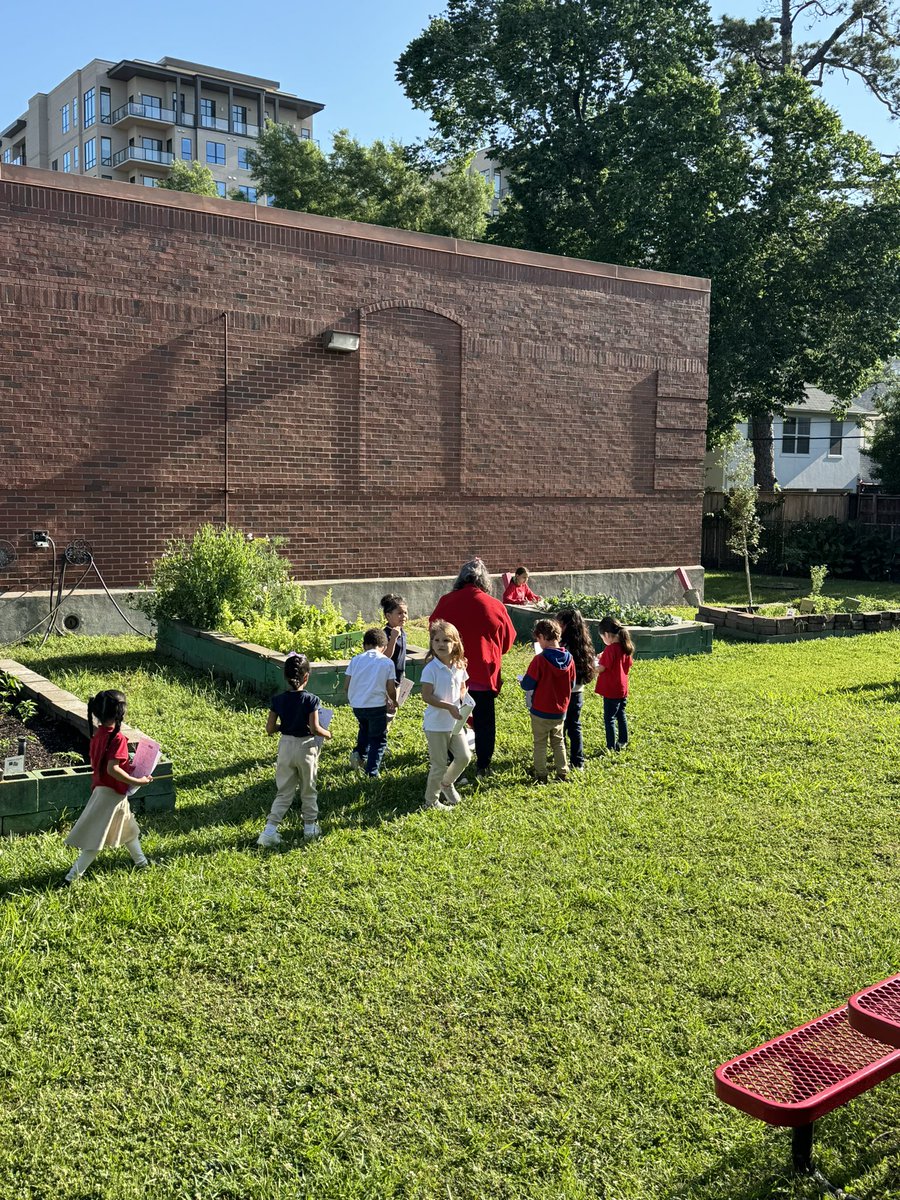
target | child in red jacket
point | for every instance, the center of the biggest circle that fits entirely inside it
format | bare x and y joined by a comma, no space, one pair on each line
613,666
550,680
517,590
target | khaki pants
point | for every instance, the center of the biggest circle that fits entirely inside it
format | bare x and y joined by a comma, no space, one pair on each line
547,729
297,765
440,775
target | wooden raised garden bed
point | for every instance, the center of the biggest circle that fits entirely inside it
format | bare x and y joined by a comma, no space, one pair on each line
755,627
667,641
257,668
37,800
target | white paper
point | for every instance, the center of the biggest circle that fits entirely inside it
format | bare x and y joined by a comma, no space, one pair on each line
146,758
14,765
526,692
537,647
465,711
404,690
324,715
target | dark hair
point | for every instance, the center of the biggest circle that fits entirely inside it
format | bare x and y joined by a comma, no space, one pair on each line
611,625
374,637
547,628
106,706
577,641
520,571
296,670
390,602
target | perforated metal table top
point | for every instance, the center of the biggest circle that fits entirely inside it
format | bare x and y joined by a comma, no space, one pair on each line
875,1011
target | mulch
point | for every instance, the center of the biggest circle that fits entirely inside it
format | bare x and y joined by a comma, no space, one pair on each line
46,739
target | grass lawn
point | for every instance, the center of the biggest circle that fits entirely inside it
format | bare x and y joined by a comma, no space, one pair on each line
728,587
525,997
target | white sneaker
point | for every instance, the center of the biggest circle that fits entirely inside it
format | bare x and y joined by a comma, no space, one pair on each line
269,838
450,795
438,805
356,762
311,831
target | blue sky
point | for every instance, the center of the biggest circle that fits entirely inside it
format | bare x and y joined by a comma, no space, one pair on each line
341,54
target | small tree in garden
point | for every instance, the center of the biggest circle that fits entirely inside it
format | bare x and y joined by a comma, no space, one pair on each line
745,526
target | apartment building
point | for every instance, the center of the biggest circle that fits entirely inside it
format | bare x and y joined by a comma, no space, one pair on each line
132,119
483,164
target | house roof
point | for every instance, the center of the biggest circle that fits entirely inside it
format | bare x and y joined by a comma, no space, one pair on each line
818,401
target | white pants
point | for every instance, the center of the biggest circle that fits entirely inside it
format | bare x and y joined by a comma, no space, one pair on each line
296,766
440,774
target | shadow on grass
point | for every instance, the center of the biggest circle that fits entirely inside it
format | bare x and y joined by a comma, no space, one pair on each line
886,692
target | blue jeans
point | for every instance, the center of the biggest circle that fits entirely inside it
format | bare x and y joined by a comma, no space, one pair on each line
372,737
572,729
613,718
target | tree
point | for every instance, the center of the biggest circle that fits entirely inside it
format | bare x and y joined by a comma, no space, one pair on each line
190,177
745,527
884,450
645,134
384,184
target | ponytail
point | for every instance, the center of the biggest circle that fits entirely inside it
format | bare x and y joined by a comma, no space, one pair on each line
615,627
296,670
104,707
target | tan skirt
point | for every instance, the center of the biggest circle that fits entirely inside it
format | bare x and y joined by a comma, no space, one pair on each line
107,820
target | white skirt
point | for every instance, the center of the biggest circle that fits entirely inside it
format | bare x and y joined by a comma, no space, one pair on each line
107,820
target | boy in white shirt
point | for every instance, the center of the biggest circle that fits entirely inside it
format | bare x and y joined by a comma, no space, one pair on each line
371,684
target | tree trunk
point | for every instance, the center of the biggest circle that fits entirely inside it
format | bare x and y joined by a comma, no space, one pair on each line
786,29
747,573
762,435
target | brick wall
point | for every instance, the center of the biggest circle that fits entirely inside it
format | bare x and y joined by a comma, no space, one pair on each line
162,364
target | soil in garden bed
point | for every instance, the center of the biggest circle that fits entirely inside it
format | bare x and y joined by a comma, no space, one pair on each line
50,743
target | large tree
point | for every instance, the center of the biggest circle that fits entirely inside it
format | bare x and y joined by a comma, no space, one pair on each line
190,177
385,183
643,133
885,448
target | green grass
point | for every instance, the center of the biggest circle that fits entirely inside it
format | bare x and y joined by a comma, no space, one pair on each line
728,587
525,997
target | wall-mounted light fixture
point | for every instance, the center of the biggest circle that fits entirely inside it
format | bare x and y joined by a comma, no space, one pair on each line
337,339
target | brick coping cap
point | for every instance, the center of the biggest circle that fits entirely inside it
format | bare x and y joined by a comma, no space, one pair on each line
112,189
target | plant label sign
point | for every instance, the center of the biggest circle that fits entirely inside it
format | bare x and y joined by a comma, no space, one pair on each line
14,765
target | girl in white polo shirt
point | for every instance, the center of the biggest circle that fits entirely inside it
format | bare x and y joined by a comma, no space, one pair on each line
443,688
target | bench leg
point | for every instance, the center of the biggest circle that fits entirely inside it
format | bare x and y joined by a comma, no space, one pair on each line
801,1154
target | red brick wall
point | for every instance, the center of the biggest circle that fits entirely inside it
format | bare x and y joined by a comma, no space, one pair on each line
519,406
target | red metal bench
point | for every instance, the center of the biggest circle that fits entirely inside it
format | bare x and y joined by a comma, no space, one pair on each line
875,1011
799,1077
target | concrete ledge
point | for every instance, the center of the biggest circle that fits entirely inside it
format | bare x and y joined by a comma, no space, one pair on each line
88,611
667,641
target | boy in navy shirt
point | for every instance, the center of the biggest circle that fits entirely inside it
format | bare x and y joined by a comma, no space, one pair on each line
550,680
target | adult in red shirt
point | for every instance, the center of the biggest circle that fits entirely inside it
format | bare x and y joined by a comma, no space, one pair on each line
487,633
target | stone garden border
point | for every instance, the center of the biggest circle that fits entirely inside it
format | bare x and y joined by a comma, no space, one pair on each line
37,800
667,641
751,627
256,667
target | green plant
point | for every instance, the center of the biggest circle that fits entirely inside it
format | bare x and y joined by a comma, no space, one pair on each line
817,578
26,709
607,606
69,756
304,627
196,579
745,527
845,548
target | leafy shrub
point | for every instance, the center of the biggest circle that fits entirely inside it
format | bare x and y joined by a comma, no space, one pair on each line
12,701
194,580
816,579
848,549
304,627
607,606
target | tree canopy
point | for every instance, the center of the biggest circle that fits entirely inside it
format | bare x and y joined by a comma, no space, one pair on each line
189,177
385,183
884,450
646,134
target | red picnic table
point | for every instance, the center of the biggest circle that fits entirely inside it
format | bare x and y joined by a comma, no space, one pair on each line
875,1011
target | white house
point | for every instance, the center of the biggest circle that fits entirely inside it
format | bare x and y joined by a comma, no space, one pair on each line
814,450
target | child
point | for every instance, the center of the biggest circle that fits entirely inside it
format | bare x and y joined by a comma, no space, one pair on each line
298,751
550,679
613,666
107,819
443,688
371,683
395,615
517,590
576,639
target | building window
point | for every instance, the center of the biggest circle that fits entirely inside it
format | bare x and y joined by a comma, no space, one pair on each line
215,153
242,158
795,435
305,134
90,154
105,105
89,117
152,144
239,118
74,112
836,440
54,166
208,109
106,176
148,181
67,161
105,152
178,103
75,159
64,118
249,193
7,155
498,180
221,189
153,105
187,149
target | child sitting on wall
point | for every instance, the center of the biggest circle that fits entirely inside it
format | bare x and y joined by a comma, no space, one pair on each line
517,590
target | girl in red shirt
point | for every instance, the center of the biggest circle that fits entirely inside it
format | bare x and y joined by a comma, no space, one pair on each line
613,666
107,819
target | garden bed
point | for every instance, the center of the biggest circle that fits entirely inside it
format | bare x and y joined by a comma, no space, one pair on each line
257,668
35,800
666,641
741,624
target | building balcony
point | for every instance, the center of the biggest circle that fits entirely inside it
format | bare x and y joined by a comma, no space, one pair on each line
216,123
148,112
137,154
242,129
